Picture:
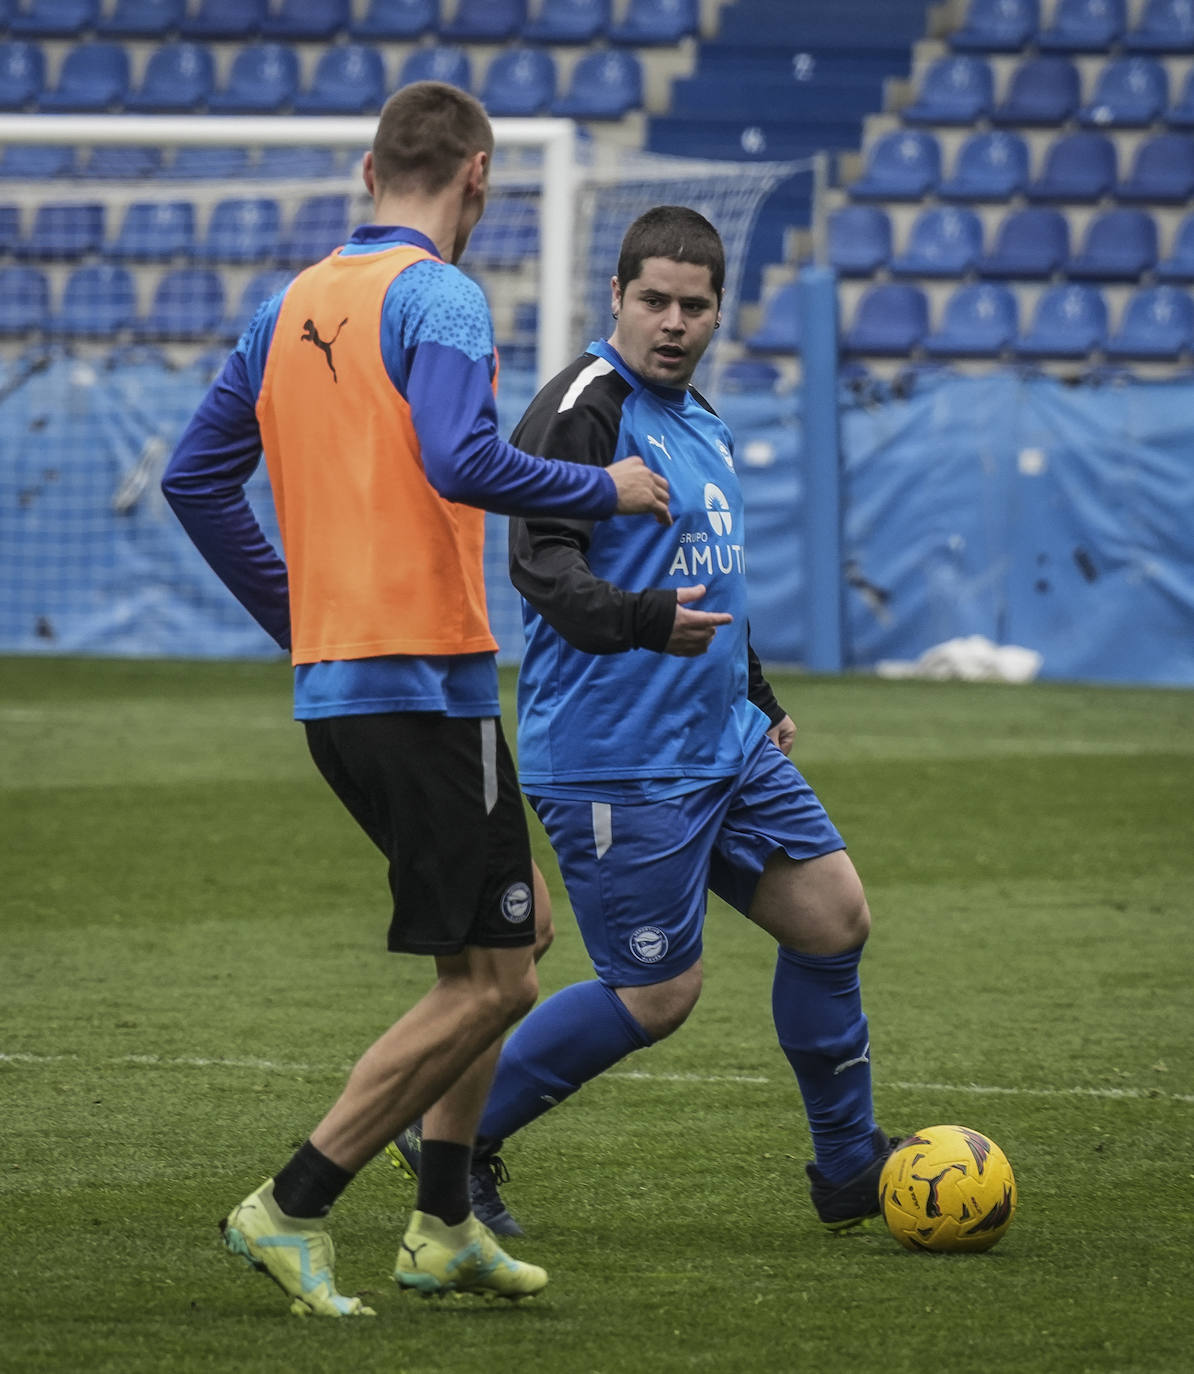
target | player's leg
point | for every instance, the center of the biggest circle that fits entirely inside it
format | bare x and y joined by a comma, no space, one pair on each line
780,861
488,1169
636,877
441,799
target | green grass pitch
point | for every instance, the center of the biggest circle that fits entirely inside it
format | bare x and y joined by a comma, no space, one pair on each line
193,954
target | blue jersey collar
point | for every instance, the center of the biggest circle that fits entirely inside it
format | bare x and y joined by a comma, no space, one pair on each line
375,235
602,348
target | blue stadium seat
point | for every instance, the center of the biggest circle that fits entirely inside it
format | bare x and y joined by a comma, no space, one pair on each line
305,20
980,321
24,300
224,19
520,81
943,242
1157,324
188,304
36,161
286,162
1029,243
22,75
1043,90
1129,92
97,302
485,21
891,319
1162,170
779,329
320,224
155,231
1084,26
395,20
142,19
655,22
1166,26
263,80
441,62
859,240
54,18
93,77
195,162
604,85
1119,245
124,161
10,227
569,21
508,236
904,165
1068,322
1179,265
242,229
257,290
997,26
1078,167
349,79
178,78
991,165
64,232
955,90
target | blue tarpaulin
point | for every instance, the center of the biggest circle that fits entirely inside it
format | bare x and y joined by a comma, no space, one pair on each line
1031,512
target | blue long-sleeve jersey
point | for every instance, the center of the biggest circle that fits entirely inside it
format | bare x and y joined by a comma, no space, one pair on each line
436,340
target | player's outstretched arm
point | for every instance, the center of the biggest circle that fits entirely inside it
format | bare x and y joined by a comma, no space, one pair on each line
693,631
640,490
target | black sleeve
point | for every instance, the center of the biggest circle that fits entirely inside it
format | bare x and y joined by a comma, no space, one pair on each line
758,689
548,563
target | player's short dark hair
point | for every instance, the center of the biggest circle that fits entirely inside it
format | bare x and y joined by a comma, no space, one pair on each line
677,233
425,132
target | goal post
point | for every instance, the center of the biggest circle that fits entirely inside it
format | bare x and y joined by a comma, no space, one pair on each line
555,139
95,390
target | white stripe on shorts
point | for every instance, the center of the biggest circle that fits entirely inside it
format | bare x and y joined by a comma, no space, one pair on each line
603,827
489,762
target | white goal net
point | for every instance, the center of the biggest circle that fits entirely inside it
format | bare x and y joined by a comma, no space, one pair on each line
136,251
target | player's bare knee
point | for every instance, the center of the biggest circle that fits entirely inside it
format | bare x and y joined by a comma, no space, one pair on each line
545,933
661,1008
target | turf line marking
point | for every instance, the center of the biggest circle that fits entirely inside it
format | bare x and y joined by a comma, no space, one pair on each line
637,1075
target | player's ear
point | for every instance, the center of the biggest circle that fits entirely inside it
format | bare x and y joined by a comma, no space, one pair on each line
367,173
478,173
615,297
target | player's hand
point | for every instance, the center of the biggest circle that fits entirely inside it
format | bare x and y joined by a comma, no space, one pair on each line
641,491
783,735
693,631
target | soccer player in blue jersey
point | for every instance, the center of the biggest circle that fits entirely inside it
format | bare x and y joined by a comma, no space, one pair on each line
653,749
368,384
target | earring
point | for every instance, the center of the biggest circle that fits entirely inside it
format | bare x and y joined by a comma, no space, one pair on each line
717,325
614,313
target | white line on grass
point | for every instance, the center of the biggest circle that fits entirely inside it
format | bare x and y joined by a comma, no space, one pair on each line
639,1075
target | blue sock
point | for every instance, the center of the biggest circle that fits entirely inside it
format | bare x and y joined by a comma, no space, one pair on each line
572,1037
816,1003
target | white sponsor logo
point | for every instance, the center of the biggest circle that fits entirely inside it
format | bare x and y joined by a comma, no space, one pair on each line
863,1058
727,456
648,944
516,903
717,508
660,445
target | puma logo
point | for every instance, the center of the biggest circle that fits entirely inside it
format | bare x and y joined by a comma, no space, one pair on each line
311,335
414,1253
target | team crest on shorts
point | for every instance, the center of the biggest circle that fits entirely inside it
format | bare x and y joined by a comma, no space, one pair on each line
648,944
516,903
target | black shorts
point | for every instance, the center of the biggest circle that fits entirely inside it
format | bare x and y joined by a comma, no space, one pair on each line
439,797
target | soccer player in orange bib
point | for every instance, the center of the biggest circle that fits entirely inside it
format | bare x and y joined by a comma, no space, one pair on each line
368,383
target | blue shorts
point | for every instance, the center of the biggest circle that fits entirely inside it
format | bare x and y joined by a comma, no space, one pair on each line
638,874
